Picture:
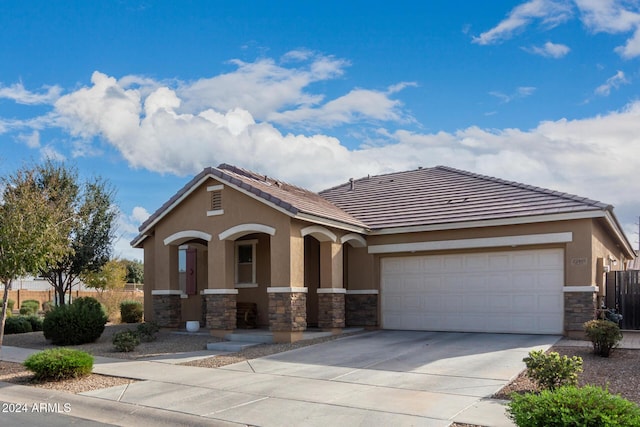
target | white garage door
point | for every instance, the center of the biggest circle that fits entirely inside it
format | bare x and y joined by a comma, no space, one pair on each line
511,291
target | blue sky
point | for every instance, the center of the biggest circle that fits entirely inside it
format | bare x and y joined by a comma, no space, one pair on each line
147,93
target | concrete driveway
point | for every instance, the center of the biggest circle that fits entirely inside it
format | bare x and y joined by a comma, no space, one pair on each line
378,378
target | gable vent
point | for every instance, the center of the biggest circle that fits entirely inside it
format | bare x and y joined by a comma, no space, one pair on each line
216,200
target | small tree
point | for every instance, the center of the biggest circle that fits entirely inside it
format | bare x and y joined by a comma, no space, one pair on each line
29,232
135,271
111,276
90,233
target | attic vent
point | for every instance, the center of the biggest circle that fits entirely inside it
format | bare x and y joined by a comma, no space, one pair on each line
215,206
216,200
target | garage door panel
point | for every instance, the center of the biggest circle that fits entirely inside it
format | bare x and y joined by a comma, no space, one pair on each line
510,291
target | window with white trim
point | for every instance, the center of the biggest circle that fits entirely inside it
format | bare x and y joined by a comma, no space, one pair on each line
245,258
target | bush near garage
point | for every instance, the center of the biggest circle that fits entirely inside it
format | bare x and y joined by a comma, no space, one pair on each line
604,334
551,371
588,406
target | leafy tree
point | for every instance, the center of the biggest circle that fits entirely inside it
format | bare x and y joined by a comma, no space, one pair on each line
90,233
135,271
29,231
112,275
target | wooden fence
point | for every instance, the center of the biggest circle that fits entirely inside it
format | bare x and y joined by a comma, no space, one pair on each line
623,294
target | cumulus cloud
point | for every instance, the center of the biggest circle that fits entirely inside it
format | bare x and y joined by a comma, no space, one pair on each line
549,12
31,140
20,95
612,82
549,50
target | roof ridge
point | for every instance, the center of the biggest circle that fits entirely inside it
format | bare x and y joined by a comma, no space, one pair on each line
516,184
419,168
263,178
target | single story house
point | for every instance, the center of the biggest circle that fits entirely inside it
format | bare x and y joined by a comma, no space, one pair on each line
428,249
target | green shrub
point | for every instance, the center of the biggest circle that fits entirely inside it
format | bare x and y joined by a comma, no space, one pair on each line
126,340
604,334
79,323
10,304
17,325
589,406
147,331
131,311
551,371
29,307
59,363
36,322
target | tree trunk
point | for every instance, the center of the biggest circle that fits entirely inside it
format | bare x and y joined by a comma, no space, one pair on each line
5,303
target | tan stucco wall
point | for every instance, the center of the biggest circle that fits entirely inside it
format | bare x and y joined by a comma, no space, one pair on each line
149,277
360,269
576,273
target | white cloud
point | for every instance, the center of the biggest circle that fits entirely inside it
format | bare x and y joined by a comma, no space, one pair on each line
20,95
139,214
550,12
520,92
613,17
549,50
31,140
613,82
48,152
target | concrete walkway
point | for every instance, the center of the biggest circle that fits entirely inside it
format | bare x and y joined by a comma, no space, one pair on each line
374,379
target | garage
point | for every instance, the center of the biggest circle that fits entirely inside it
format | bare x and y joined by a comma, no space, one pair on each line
516,291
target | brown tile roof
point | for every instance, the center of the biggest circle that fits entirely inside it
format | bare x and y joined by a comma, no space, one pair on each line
290,198
430,196
443,195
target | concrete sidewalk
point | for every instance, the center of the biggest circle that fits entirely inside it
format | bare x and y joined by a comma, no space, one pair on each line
373,379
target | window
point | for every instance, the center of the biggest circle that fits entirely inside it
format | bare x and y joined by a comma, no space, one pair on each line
246,261
215,201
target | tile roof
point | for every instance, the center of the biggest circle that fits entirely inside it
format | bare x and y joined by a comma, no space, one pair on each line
290,198
443,195
429,196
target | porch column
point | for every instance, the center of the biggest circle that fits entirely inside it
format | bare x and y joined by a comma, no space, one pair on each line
287,294
166,295
220,296
331,292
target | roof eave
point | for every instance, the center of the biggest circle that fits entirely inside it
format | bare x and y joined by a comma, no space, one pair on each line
531,219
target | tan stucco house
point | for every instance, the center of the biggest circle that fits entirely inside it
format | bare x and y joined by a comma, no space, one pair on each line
428,249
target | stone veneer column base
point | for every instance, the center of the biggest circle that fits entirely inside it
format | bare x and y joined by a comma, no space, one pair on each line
579,307
361,308
331,309
287,313
167,308
220,310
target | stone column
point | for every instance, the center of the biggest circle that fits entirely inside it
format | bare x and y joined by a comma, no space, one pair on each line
167,306
580,303
287,313
361,308
331,309
220,310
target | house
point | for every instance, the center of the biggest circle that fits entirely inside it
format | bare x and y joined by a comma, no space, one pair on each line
427,249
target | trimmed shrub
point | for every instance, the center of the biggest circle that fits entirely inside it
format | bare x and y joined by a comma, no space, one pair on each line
551,371
147,331
588,406
79,323
59,363
10,304
17,325
604,334
131,311
29,307
126,340
36,322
